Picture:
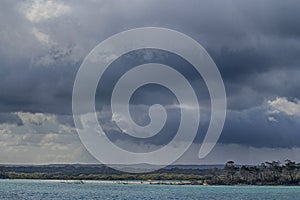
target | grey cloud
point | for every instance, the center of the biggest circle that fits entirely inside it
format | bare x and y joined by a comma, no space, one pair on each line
244,39
258,127
66,120
255,128
10,118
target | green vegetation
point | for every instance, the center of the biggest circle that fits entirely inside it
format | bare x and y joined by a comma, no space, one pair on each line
268,173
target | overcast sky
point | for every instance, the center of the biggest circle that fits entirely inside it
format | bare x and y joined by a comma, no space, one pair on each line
255,44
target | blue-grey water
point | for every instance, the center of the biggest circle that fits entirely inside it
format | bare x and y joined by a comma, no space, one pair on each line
41,189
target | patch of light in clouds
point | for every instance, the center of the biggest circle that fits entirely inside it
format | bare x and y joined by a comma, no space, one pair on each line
40,36
282,104
40,10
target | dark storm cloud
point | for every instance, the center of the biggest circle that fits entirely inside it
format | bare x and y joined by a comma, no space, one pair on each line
244,39
255,45
37,89
256,128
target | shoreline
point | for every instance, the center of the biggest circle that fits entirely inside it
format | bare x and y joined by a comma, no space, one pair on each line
268,173
140,182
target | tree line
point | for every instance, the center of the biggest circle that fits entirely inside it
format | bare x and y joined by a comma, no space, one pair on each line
267,173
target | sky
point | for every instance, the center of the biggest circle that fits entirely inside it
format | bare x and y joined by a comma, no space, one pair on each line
255,45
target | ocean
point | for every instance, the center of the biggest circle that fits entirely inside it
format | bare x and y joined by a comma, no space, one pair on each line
48,189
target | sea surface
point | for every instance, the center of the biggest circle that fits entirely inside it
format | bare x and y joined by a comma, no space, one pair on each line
45,189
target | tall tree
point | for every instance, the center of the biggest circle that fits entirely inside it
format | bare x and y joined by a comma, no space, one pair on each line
291,168
230,169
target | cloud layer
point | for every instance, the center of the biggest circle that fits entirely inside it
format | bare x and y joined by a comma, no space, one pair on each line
255,45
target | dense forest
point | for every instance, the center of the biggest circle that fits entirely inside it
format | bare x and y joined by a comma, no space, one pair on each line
268,173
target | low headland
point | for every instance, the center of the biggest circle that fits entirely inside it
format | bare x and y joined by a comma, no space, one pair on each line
268,173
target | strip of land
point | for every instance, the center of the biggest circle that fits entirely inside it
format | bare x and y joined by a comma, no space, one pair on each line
268,173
